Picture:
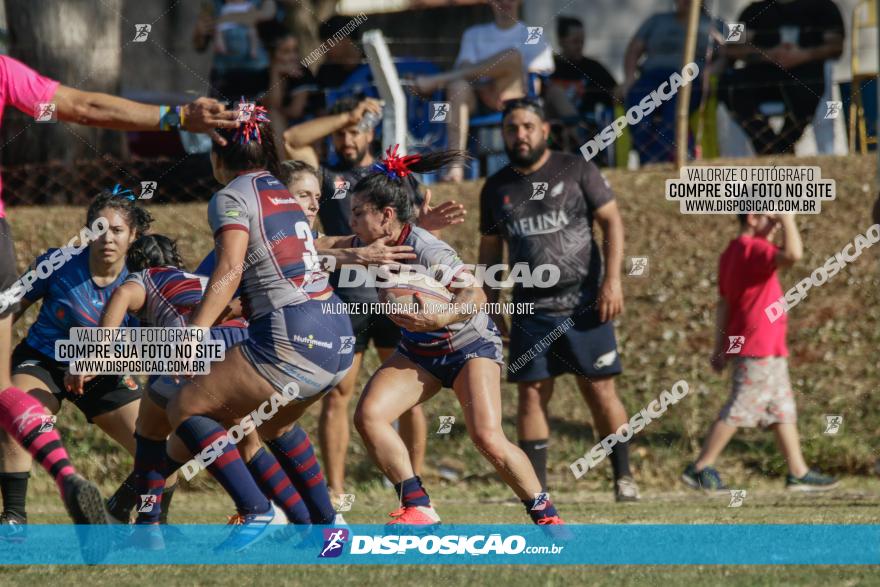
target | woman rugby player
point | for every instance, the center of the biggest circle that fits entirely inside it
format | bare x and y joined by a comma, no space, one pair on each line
161,294
295,349
446,349
73,295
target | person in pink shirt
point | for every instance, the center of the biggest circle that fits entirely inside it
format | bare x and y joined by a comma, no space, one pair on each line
22,416
761,393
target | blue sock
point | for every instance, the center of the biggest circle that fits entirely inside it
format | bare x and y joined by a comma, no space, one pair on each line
199,432
548,511
297,457
410,492
149,478
275,484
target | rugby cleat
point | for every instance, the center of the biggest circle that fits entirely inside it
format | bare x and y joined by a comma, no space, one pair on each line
250,528
415,515
147,537
86,507
551,521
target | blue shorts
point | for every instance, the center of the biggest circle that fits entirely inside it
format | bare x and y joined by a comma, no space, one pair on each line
447,367
162,388
306,344
544,346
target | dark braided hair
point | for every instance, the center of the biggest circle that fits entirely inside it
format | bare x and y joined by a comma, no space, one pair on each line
248,154
383,188
153,250
137,218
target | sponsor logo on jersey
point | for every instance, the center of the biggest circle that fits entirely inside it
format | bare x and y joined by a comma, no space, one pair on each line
546,223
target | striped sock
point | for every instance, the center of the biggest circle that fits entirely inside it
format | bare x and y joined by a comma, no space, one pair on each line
149,478
547,511
410,492
21,416
200,432
297,457
275,484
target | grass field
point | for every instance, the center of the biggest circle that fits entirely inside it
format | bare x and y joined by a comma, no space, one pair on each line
664,335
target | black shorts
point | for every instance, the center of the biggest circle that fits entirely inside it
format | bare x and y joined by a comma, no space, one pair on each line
544,346
103,394
384,333
8,273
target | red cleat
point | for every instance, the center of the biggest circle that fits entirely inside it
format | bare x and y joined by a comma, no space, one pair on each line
415,515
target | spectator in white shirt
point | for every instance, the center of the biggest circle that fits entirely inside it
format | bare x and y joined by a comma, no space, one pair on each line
492,66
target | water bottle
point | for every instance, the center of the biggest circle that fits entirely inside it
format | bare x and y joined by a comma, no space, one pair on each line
369,121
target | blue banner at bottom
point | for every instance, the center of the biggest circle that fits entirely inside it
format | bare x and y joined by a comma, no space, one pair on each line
673,544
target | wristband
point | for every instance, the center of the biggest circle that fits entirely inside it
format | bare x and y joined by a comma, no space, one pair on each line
169,119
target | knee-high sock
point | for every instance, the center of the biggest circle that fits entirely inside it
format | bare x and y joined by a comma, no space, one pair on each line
297,457
536,451
148,479
276,485
21,416
198,433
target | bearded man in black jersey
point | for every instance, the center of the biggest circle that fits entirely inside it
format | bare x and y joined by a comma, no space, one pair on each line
542,206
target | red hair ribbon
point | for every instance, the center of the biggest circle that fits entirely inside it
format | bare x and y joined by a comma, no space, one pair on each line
249,130
395,166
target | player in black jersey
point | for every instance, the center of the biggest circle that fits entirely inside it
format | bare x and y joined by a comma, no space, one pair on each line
542,205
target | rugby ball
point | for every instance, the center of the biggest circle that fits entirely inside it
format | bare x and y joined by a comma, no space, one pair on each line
403,288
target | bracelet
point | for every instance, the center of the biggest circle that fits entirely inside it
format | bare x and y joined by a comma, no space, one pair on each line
163,122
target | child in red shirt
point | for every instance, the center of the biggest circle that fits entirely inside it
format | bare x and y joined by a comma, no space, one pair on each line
761,393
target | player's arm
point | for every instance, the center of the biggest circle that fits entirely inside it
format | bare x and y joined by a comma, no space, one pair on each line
306,133
231,247
379,252
792,248
719,355
128,298
611,292
492,253
106,111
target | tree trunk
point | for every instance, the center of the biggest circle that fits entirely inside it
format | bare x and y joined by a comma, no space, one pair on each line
76,42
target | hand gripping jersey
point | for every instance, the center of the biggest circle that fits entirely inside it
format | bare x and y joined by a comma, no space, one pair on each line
281,266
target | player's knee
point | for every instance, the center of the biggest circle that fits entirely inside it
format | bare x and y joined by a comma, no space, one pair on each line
602,390
491,442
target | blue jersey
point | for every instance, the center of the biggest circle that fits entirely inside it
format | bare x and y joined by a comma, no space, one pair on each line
70,299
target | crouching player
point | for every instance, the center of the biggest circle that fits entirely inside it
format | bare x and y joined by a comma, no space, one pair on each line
452,349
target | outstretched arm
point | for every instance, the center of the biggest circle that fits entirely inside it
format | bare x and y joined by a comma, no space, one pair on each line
106,111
